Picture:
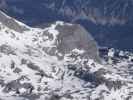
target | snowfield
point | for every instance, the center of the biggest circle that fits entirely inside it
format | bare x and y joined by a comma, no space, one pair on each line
55,64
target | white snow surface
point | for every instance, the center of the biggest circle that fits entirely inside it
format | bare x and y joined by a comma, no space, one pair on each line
24,61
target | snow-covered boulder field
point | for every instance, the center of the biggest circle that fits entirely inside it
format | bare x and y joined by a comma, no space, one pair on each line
59,62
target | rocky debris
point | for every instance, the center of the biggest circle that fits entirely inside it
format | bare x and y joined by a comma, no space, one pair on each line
17,70
115,55
17,87
6,49
55,97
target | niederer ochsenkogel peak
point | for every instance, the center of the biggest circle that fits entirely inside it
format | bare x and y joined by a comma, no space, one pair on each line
59,62
62,37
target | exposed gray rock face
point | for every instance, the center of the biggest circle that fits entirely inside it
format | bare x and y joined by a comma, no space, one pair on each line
11,23
76,37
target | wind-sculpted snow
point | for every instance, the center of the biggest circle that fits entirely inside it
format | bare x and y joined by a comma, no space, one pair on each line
60,62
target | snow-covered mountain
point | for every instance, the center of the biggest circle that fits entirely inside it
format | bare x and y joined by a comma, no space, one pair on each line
59,62
109,21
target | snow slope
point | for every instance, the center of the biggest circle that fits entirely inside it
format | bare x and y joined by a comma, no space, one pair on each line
60,62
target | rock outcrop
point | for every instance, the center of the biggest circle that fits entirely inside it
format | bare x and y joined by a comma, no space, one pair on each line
76,37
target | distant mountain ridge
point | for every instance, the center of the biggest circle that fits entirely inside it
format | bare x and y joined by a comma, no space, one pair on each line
105,12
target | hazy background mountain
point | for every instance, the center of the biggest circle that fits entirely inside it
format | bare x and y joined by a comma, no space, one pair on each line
109,21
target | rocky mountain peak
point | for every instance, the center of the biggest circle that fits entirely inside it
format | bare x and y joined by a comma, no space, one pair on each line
59,62
69,37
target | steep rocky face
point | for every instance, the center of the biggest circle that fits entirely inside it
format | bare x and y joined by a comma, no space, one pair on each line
76,37
67,38
11,23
